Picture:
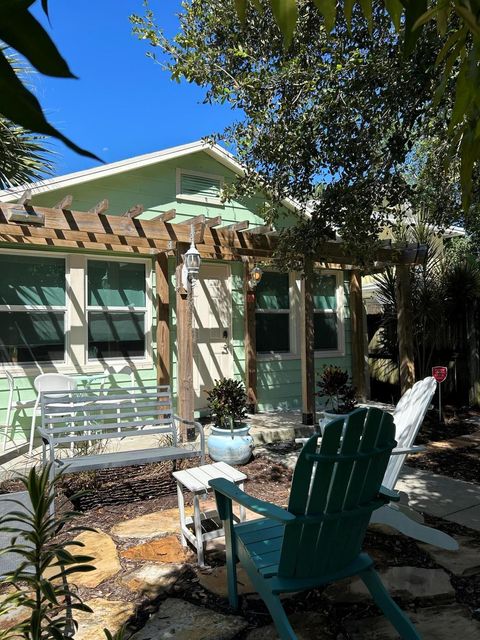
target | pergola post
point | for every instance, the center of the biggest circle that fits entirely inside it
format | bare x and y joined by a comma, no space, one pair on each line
404,327
184,311
163,324
307,347
250,343
359,357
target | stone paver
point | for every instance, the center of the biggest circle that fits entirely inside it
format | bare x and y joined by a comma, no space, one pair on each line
432,623
405,583
11,561
307,626
151,525
466,517
167,549
181,620
216,581
107,614
464,562
153,578
101,547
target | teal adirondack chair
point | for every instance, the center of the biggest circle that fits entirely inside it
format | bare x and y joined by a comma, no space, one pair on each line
318,539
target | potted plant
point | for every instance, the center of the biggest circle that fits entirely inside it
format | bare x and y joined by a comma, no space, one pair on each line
334,385
229,439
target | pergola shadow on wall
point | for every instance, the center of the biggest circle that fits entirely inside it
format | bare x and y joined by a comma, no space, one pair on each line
26,225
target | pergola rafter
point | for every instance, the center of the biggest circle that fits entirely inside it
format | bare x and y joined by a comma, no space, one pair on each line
62,228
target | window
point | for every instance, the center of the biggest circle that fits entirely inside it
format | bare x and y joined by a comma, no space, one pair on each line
326,309
117,309
272,316
32,309
199,187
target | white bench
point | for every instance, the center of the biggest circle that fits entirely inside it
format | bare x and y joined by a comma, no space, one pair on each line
87,430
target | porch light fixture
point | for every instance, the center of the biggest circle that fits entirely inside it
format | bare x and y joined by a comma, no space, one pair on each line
255,276
191,263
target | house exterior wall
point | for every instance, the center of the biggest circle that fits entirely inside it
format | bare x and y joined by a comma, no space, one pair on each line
279,380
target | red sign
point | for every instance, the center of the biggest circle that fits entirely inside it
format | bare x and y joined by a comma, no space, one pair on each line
439,373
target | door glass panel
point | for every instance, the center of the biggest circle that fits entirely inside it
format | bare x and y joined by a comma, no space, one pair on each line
116,284
32,280
116,335
32,336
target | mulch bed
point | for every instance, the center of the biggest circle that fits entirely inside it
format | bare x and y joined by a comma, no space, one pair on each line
461,464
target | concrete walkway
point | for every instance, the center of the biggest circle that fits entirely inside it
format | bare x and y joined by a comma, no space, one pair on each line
443,497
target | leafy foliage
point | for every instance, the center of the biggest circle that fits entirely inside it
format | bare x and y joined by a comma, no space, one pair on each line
49,600
457,55
334,384
329,122
227,402
21,31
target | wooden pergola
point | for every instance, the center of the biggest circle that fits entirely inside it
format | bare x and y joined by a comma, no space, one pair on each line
27,225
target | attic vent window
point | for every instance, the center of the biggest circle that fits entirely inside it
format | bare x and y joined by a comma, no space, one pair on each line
199,187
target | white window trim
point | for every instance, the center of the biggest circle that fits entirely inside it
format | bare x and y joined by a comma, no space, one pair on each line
340,312
147,357
76,360
193,198
293,293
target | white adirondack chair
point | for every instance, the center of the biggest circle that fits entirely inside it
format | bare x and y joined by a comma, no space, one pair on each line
408,417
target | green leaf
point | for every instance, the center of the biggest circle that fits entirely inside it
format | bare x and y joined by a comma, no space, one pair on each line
21,31
414,9
241,9
347,10
286,14
469,18
21,106
395,10
328,9
367,12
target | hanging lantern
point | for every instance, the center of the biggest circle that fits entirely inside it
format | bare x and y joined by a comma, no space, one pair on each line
255,276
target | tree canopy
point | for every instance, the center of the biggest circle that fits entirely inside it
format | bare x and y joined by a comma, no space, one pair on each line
332,121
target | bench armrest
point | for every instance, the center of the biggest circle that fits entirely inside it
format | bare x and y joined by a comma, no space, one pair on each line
404,450
230,491
199,427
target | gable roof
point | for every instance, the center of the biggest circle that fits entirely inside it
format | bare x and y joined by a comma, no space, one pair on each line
137,162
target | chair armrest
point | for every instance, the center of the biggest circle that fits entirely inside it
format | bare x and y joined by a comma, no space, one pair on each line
388,494
199,427
232,492
403,450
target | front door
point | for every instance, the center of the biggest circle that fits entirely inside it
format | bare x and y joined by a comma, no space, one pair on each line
212,329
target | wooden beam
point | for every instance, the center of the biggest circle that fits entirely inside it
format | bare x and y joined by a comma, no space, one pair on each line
405,327
65,203
213,222
195,220
184,314
307,348
250,343
25,198
237,226
163,319
261,229
165,216
134,211
359,358
100,207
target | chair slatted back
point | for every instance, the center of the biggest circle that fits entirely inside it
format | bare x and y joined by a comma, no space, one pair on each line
334,491
408,418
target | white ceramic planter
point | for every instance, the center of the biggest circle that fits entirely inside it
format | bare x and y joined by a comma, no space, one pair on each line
330,417
223,448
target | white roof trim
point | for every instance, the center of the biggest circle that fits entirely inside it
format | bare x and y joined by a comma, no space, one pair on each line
105,170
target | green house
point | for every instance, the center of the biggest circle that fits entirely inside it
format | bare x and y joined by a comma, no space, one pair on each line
67,306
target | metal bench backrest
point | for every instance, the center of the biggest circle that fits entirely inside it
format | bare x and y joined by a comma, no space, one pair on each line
84,415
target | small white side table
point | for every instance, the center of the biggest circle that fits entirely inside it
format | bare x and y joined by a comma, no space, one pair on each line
196,480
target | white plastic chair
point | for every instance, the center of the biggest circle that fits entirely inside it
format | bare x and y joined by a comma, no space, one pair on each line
14,404
43,384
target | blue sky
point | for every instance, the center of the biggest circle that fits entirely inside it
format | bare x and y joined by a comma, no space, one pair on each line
123,104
